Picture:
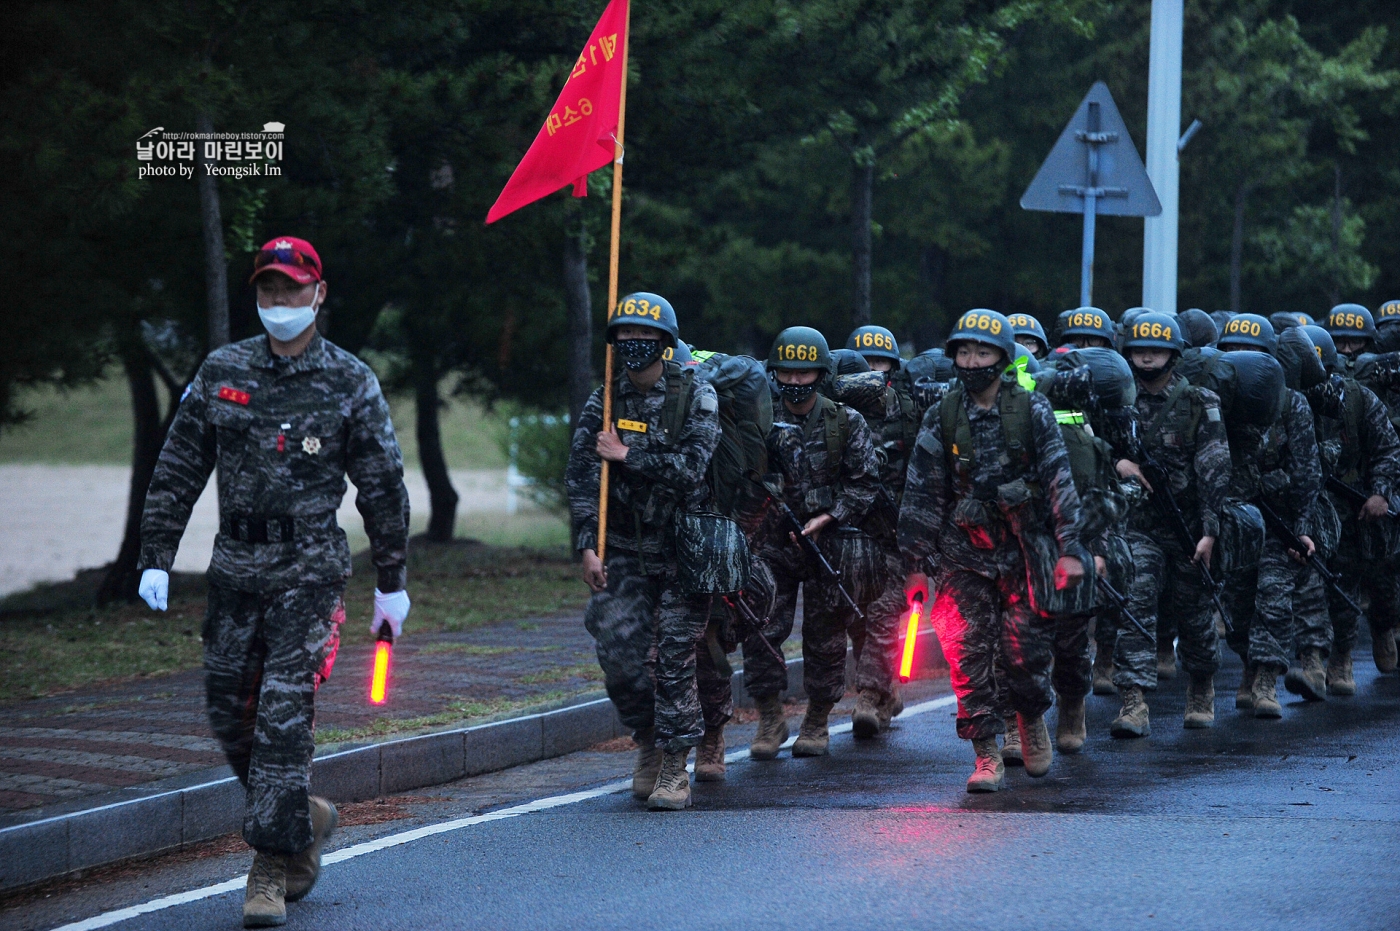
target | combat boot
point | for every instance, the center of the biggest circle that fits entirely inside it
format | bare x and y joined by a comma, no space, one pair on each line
672,791
303,869
1070,732
1011,745
265,898
813,738
772,729
1200,701
709,756
1384,650
1036,751
1308,677
1244,698
890,707
1103,673
1133,719
865,719
1166,663
648,763
1266,692
990,771
1339,678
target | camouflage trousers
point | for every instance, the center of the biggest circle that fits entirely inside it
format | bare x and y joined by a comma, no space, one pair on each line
1278,612
1166,584
265,654
1378,581
826,621
875,640
646,633
999,651
1072,666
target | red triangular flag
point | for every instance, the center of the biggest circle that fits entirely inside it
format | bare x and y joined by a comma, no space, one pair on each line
577,136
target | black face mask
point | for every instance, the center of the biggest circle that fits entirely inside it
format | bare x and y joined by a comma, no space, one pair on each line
979,380
1149,375
797,395
638,354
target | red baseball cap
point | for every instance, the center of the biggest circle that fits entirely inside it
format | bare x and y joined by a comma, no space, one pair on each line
295,258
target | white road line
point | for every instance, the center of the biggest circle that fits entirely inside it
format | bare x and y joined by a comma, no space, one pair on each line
108,919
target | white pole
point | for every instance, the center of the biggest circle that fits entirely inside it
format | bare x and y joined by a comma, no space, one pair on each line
1163,130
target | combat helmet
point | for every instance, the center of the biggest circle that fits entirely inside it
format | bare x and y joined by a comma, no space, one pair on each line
642,308
1089,321
798,348
874,341
1026,325
983,326
1249,330
1154,331
1350,321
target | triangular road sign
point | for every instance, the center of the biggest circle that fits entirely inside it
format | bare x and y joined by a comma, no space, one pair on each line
1122,184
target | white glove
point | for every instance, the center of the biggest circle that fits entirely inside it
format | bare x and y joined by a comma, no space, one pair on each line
155,588
393,608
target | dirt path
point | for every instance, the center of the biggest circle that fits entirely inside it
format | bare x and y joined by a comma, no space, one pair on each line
57,519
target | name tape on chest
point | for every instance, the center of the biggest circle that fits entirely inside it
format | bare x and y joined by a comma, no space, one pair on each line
233,394
636,426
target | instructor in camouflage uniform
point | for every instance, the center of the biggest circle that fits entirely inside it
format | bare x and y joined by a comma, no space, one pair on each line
989,487
284,417
665,429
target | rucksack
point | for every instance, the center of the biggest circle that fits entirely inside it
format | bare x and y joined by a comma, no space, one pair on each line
745,418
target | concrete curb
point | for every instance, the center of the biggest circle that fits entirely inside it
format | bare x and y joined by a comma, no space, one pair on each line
49,847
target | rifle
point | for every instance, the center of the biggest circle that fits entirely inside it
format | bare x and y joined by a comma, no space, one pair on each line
739,606
1167,506
1342,490
807,544
1120,601
1290,540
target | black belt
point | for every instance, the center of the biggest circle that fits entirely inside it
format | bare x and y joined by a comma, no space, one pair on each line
258,529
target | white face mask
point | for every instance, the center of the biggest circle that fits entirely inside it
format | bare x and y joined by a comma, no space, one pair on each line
287,323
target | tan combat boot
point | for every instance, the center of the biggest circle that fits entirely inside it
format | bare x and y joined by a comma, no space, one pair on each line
1103,673
1070,732
672,791
891,707
1244,698
303,869
772,729
648,763
1339,678
865,719
1200,701
265,898
1133,719
1308,676
1166,662
1036,749
813,738
709,756
990,771
1384,650
1266,692
1011,745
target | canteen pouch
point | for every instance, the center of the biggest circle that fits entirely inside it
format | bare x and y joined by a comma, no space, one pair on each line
1326,527
1241,539
971,515
857,556
712,556
819,500
1041,552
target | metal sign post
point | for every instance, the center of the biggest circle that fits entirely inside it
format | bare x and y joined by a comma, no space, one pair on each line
1093,169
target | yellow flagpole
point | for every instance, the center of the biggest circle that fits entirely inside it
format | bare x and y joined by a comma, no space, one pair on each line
612,277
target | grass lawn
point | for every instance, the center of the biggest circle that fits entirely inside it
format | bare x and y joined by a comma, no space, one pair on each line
56,642
93,426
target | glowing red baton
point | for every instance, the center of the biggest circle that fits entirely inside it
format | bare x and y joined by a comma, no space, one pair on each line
383,653
911,634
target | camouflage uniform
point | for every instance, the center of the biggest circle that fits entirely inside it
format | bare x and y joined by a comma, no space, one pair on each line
817,479
949,522
1166,581
1282,609
1360,446
646,630
284,432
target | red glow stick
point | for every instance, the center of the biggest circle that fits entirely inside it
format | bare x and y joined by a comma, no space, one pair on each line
383,652
911,634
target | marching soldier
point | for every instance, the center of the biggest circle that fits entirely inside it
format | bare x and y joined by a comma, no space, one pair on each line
1031,334
1088,326
989,488
285,417
1284,615
1182,432
826,458
666,428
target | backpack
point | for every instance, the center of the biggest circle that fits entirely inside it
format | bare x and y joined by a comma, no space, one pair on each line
745,418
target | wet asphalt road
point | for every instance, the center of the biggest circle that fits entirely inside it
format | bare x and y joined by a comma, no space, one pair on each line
1252,825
